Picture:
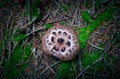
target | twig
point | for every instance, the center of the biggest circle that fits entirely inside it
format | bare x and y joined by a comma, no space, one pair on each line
97,33
80,66
46,16
93,7
66,18
74,68
9,19
39,59
75,15
9,49
113,34
29,16
112,67
3,55
95,46
59,6
29,10
49,68
39,29
95,74
56,11
14,47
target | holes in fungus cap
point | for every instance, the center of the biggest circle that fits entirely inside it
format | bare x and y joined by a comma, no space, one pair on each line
63,49
65,33
59,32
54,33
70,50
67,54
60,40
68,43
55,48
52,39
49,43
69,37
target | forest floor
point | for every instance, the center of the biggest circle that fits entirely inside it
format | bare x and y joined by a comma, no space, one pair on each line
21,56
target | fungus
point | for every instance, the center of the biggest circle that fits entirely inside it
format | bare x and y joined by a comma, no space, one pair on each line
60,42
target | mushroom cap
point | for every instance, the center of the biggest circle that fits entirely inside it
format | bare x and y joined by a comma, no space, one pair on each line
61,42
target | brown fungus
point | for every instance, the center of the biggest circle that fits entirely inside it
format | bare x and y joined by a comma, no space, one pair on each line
61,42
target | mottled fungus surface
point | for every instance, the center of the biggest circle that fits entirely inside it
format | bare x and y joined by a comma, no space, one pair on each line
61,42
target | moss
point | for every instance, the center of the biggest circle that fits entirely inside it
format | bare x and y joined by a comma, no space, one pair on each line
48,26
90,57
64,70
86,16
86,31
83,37
19,56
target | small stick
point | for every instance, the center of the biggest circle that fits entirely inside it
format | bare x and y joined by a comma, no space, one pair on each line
95,46
39,29
59,6
49,68
75,15
80,66
95,74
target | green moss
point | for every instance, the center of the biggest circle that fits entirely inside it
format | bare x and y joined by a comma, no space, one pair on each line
20,37
86,31
64,70
19,56
63,23
48,26
86,16
88,59
83,37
